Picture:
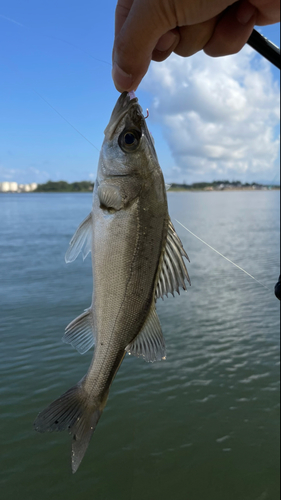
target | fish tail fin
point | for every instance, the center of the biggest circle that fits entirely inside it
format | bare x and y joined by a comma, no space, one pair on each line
74,413
81,435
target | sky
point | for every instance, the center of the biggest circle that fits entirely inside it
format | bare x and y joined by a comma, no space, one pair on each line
211,119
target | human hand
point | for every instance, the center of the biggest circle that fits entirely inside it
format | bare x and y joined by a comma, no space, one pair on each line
148,30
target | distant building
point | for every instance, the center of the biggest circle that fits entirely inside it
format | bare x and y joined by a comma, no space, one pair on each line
6,187
14,187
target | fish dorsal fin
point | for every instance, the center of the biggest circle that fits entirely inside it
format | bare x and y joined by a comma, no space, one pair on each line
149,343
80,241
80,332
173,272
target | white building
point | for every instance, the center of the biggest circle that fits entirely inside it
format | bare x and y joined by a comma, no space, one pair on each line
26,188
6,187
14,187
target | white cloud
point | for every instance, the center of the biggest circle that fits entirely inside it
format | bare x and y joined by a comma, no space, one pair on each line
219,116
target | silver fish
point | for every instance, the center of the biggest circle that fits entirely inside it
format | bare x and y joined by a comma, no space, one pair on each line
137,257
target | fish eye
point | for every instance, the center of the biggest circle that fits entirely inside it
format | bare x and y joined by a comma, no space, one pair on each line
129,140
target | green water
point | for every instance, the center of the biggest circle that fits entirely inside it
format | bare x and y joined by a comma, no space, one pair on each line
204,424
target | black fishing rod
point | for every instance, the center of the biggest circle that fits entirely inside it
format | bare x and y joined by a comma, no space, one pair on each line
271,52
265,48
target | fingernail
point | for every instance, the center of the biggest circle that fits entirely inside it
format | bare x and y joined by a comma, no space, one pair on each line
123,81
245,12
166,41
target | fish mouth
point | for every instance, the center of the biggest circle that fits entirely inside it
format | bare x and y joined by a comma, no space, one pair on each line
123,106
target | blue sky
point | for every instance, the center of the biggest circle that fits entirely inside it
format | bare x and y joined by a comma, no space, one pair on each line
62,50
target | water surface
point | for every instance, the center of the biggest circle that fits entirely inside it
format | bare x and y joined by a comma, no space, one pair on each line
204,424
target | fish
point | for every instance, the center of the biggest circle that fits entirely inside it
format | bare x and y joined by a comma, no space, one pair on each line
137,258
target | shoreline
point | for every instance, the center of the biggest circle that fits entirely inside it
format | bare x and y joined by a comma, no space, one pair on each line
171,190
277,188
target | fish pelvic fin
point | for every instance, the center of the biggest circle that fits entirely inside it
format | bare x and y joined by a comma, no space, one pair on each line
73,412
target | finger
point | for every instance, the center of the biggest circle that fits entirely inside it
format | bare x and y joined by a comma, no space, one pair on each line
268,11
143,26
134,44
232,30
122,10
194,38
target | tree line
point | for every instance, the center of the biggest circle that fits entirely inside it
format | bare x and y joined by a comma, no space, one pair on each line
65,187
87,186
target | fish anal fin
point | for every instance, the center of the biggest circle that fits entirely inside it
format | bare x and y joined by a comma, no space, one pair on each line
149,343
80,332
80,241
173,273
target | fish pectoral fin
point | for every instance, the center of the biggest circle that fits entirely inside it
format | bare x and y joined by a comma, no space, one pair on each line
110,197
80,332
149,343
80,241
173,272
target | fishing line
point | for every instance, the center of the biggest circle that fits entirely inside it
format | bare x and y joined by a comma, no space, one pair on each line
257,41
202,241
56,38
226,258
12,20
65,119
51,106
43,98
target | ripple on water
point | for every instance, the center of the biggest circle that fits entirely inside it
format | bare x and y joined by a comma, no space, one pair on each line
202,424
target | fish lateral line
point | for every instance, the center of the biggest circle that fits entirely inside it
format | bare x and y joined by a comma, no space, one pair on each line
219,253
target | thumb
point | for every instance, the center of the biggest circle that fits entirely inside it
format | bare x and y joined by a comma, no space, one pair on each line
138,28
